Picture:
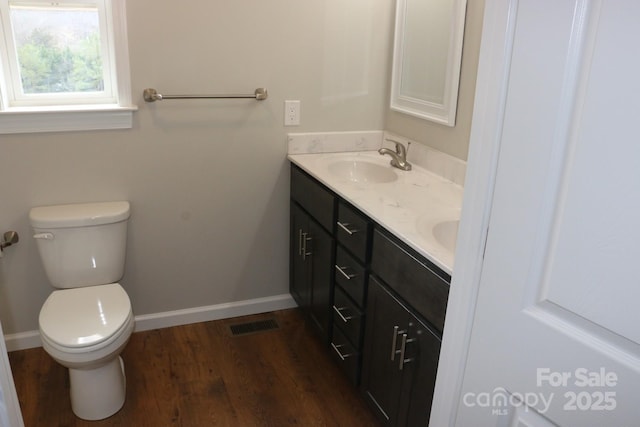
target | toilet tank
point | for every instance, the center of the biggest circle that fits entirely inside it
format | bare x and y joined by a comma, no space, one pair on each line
81,244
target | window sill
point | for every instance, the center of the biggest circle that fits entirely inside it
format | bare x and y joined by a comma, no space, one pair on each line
61,119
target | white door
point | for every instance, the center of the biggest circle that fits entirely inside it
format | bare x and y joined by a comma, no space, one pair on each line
556,333
10,415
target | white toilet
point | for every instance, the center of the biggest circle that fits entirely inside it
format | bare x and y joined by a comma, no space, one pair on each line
85,324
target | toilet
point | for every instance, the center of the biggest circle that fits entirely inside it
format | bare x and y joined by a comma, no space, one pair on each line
86,322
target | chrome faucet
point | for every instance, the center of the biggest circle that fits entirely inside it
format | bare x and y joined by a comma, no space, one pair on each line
398,157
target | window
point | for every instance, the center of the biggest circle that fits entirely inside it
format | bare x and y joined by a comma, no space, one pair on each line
64,66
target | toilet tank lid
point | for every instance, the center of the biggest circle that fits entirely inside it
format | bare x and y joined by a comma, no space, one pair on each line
79,214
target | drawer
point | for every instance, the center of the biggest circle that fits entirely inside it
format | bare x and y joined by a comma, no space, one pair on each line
313,197
353,231
350,275
424,286
346,356
347,317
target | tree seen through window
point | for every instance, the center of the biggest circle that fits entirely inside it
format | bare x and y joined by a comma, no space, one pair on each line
58,51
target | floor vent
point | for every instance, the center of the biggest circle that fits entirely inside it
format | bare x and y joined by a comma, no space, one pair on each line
253,327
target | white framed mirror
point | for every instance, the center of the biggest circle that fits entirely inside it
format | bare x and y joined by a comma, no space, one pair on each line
426,58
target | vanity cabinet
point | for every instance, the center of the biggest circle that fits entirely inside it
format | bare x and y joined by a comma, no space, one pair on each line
353,243
400,360
377,303
312,250
405,315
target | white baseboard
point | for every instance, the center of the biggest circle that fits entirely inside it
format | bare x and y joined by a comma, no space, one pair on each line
145,322
166,319
22,340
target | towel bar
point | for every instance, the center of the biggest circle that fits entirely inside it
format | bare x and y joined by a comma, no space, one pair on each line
152,95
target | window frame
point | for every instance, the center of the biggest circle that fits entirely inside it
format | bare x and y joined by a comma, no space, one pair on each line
25,117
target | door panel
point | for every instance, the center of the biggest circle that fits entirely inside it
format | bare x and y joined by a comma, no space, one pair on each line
381,379
420,373
321,245
300,285
556,322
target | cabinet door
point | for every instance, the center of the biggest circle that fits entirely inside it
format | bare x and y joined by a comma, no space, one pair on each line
400,359
311,268
381,377
320,251
299,283
419,374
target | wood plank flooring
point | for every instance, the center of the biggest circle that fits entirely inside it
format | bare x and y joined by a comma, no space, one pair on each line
201,375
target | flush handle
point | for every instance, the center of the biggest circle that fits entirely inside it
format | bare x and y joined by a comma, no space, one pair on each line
45,236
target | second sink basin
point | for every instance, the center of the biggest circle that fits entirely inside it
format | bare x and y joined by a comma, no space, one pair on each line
446,233
437,227
362,171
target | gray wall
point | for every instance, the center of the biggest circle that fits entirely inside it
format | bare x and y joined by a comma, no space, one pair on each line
451,140
207,180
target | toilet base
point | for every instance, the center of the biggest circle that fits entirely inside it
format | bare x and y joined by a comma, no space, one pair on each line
98,393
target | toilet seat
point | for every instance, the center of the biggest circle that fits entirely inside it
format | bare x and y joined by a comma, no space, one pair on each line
82,320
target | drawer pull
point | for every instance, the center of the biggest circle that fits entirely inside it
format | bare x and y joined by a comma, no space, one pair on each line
394,342
300,233
346,275
403,346
305,239
339,311
337,348
345,227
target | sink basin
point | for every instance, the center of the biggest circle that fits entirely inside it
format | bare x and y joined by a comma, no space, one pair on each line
446,233
361,171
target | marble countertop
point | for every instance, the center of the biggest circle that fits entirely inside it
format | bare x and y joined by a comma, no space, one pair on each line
409,207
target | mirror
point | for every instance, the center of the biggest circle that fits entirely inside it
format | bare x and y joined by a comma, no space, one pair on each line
426,58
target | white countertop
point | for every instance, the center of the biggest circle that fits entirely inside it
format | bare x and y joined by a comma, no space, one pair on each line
408,207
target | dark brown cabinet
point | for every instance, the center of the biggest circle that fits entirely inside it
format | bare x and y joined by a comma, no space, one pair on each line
378,304
312,251
400,360
353,241
299,283
405,315
414,278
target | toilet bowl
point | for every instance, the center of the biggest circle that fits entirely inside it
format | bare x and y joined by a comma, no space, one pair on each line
85,330
86,323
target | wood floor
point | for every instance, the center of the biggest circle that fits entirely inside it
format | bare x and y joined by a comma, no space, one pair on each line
202,375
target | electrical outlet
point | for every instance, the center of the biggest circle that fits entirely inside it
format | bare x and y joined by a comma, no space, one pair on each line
291,113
